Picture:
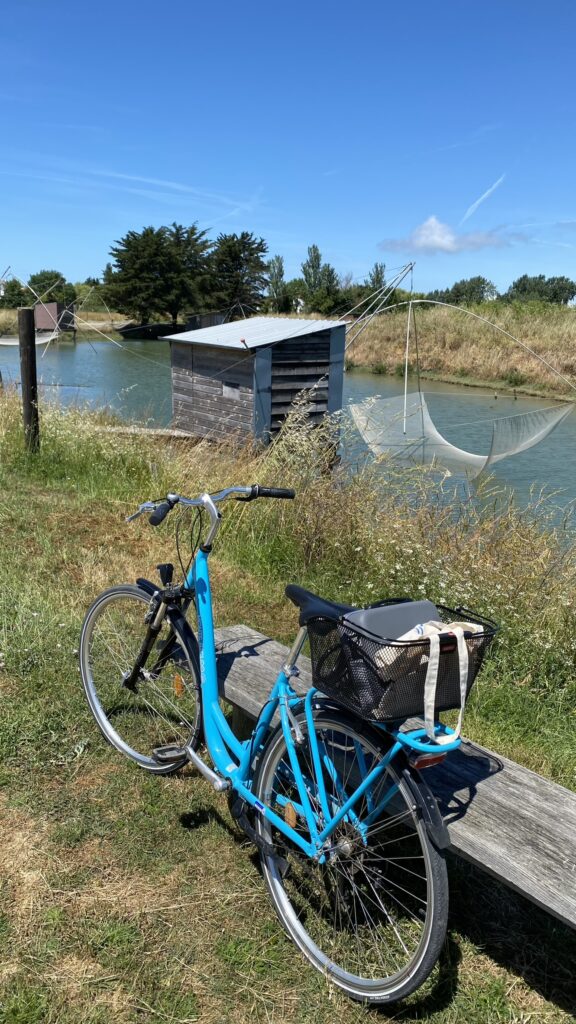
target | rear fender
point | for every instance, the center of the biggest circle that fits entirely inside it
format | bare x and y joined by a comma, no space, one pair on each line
428,808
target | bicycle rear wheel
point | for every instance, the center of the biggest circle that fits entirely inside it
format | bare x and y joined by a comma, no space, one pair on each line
164,707
372,918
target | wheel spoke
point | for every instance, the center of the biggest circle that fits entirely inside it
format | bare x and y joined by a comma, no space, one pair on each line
163,707
369,911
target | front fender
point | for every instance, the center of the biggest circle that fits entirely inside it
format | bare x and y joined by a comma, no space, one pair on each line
179,620
186,632
147,585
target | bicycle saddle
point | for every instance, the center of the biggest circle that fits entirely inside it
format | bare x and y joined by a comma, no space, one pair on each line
311,605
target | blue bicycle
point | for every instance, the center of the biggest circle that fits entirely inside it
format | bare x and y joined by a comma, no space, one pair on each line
350,838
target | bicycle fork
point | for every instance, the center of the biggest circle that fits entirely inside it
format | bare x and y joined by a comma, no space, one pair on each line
155,618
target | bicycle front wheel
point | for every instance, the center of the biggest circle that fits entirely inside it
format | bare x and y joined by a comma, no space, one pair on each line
373,917
163,708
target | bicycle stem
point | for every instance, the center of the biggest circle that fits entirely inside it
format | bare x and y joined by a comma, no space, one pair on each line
215,520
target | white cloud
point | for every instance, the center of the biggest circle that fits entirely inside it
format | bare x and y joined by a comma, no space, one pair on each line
434,236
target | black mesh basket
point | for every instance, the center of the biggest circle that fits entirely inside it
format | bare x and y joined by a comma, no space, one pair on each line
383,680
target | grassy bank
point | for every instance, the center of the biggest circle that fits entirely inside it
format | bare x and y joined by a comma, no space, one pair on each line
452,345
129,899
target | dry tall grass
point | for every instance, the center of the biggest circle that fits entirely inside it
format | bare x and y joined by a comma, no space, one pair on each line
8,321
452,344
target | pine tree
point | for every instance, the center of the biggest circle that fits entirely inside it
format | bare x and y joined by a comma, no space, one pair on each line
278,298
376,278
239,273
186,278
312,269
322,283
157,271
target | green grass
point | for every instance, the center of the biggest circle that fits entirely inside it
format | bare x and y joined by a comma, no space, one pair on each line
126,898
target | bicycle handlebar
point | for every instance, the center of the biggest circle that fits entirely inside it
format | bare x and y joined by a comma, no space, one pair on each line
160,509
257,491
160,513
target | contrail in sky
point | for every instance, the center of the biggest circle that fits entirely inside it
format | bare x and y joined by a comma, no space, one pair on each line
472,209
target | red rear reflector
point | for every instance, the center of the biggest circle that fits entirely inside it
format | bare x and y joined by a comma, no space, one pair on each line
426,760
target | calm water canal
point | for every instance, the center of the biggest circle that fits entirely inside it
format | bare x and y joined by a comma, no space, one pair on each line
134,382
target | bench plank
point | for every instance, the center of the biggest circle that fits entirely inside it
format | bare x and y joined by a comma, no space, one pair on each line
502,817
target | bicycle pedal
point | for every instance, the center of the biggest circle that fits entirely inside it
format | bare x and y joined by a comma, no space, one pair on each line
168,754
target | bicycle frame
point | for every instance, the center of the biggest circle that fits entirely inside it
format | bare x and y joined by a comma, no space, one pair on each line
233,758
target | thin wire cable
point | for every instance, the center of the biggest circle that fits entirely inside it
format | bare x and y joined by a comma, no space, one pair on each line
468,312
56,331
376,293
196,525
380,295
84,300
387,288
387,291
88,324
118,344
366,319
496,419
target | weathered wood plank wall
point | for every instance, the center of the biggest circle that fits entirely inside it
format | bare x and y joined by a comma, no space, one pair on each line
300,364
212,390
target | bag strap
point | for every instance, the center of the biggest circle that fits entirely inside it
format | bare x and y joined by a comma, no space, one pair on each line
432,681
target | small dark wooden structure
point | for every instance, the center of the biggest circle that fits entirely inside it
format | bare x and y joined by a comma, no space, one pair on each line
196,321
241,378
152,332
54,316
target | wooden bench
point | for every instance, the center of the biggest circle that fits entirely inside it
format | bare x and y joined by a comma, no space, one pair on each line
503,818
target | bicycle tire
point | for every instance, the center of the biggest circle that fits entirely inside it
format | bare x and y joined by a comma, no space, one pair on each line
352,916
165,708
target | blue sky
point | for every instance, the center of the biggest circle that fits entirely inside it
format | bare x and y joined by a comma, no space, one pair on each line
443,133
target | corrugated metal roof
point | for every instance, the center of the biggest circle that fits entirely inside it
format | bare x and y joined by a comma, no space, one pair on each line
255,332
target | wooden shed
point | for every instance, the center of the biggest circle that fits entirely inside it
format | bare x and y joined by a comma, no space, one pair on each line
242,377
54,316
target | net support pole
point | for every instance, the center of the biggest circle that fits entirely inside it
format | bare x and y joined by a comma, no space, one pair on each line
27,342
406,367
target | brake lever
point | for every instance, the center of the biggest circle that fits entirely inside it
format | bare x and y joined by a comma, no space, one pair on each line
148,506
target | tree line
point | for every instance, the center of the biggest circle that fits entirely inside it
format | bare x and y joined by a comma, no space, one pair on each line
559,290
172,271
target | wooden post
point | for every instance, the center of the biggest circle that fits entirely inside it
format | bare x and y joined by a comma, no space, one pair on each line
27,338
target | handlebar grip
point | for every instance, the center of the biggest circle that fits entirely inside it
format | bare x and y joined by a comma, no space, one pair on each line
159,514
273,492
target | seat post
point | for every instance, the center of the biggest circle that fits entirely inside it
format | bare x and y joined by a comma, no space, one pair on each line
289,666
